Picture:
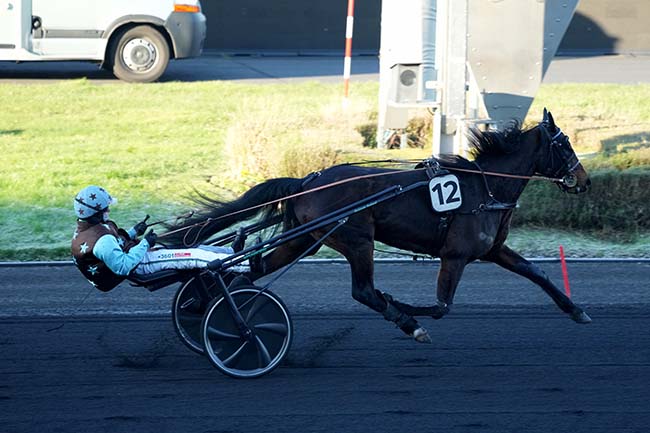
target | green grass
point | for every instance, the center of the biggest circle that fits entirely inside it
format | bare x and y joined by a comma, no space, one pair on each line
152,145
608,124
542,242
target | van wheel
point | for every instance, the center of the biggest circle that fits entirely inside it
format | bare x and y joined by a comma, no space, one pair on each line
140,55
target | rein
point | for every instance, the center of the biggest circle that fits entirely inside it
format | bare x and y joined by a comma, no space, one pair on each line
497,174
288,197
203,224
464,170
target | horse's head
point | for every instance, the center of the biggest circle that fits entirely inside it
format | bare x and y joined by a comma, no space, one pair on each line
561,161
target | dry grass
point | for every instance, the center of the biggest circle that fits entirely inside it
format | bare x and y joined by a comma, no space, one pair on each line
262,143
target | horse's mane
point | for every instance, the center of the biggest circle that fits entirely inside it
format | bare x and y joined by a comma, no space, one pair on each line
486,144
494,143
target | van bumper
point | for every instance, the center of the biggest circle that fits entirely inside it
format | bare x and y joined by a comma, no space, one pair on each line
188,32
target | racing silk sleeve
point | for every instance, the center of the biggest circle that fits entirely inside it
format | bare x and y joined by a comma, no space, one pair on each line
108,250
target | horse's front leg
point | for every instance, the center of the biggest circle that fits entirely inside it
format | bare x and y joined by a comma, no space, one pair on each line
451,269
510,260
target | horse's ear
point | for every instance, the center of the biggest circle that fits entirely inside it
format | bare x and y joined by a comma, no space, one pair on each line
551,121
548,119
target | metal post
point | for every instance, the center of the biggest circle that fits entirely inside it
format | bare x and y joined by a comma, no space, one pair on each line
436,131
429,72
454,73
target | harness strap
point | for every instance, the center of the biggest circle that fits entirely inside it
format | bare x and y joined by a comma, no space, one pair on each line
433,168
559,132
493,204
487,186
443,226
556,145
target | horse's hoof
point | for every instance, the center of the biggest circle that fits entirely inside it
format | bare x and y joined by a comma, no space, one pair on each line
580,317
421,336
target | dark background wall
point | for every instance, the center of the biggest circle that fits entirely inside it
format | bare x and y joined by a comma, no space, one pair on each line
299,26
290,25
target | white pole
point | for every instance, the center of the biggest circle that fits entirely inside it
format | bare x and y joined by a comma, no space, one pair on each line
347,62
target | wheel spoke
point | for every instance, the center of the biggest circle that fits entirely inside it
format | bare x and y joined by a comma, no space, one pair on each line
276,328
221,335
192,305
187,303
260,302
232,359
263,356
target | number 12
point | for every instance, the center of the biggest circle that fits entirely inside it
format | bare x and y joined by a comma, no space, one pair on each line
451,197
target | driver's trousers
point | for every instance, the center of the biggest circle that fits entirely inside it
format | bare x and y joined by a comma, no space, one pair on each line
184,258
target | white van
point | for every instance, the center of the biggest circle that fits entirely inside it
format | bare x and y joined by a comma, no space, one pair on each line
133,38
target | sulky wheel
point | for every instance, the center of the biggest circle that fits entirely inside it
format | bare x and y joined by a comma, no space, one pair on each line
187,313
272,332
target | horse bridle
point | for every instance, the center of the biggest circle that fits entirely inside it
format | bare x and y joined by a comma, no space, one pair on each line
560,148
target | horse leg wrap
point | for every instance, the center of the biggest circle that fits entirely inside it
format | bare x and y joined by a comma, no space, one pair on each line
405,322
392,314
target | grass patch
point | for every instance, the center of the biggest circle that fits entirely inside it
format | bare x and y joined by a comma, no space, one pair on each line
616,206
543,242
608,124
152,145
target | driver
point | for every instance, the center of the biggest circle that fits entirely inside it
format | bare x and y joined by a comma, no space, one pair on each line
106,255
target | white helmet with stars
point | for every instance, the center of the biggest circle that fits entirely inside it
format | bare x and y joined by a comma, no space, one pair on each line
90,200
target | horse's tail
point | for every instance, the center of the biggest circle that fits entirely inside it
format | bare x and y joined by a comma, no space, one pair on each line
216,215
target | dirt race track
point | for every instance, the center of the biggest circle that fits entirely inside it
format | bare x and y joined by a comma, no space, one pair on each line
493,367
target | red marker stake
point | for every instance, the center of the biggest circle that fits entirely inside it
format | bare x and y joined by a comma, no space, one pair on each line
565,274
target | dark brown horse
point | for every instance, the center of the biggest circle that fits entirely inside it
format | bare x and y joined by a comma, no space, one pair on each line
475,230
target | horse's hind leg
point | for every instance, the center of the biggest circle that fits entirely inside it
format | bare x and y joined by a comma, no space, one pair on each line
363,290
512,261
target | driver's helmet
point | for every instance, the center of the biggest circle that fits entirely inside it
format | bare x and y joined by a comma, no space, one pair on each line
91,200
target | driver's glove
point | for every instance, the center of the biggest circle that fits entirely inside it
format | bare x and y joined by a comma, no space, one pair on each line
140,227
151,238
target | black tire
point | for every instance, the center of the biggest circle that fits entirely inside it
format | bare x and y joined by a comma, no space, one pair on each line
187,315
139,55
268,318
